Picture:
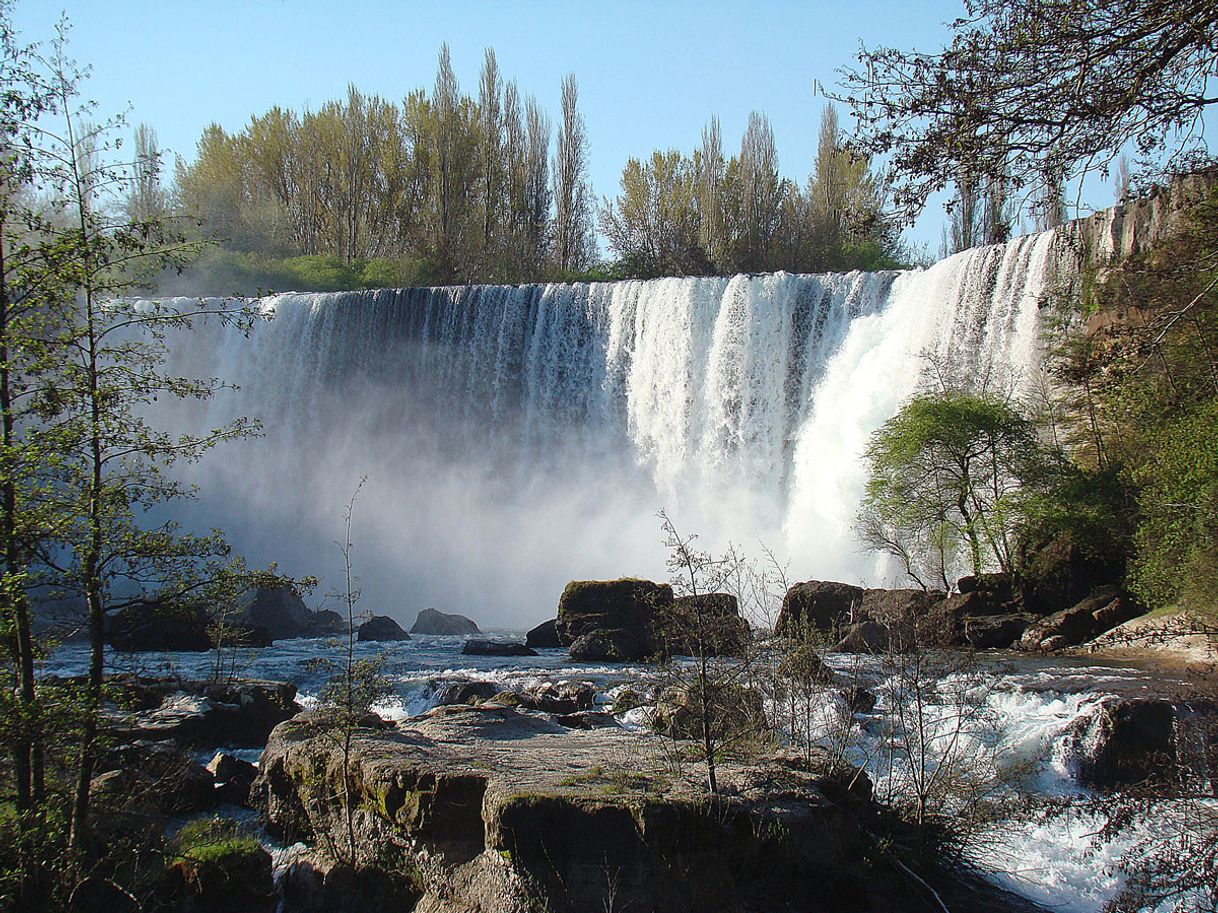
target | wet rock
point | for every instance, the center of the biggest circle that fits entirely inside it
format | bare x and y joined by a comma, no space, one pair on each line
863,637
1100,612
233,778
313,883
326,623
279,611
1001,585
544,636
464,692
170,782
431,621
708,624
240,713
1061,573
731,708
381,627
551,697
996,632
611,620
586,719
496,648
859,699
615,646
820,603
151,626
224,876
1127,742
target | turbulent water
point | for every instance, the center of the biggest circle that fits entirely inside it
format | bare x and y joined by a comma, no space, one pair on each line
518,437
1034,710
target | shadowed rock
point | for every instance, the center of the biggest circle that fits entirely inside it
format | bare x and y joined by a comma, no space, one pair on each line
431,621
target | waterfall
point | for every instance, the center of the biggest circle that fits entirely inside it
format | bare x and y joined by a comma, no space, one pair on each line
517,437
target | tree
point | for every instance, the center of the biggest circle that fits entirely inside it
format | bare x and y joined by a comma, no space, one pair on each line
710,169
111,465
348,697
1039,90
146,200
490,162
654,224
710,699
574,248
755,191
81,466
949,468
845,200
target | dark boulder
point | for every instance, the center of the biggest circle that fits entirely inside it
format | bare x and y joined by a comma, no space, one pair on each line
317,885
381,627
544,636
326,623
895,606
822,604
233,778
1140,742
859,699
1001,585
611,619
205,714
1060,573
464,692
496,648
431,621
616,646
863,637
154,626
562,698
223,874
159,775
1100,612
279,611
708,624
733,710
996,632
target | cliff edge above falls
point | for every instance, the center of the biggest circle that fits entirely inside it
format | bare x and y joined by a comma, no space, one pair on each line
485,808
1111,235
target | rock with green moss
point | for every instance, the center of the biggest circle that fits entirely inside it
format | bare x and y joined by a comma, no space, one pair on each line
217,869
611,620
488,808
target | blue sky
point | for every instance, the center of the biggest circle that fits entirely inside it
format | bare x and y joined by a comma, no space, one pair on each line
650,74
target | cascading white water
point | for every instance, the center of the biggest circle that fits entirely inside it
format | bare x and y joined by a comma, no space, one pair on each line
518,437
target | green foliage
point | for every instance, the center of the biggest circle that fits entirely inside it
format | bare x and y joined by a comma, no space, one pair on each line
699,215
1177,539
229,272
213,841
441,188
950,469
1142,409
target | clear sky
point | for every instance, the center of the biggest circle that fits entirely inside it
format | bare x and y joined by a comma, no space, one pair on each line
650,73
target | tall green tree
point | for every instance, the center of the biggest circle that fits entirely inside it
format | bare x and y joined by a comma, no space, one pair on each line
949,471
574,245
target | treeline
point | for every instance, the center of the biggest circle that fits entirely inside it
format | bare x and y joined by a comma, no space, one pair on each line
447,187
444,187
704,214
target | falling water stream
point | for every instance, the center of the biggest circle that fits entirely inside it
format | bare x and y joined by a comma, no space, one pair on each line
516,437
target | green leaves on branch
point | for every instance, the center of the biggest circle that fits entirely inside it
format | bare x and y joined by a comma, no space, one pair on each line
949,481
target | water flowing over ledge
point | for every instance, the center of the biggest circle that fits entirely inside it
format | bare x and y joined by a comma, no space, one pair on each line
517,437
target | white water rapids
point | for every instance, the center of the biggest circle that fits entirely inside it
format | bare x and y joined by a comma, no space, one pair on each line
515,438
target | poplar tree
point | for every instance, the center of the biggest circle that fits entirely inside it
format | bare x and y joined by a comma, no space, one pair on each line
573,243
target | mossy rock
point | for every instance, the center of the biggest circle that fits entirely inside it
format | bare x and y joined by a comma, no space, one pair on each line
217,868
